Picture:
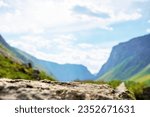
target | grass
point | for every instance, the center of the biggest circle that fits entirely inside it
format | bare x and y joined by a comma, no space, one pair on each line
142,76
136,88
14,70
117,72
44,76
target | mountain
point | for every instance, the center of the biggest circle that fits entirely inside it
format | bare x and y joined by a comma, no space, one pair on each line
142,76
67,72
128,60
12,67
62,72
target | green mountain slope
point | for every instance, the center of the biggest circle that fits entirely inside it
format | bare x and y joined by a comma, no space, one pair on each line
61,72
119,71
12,67
128,60
143,76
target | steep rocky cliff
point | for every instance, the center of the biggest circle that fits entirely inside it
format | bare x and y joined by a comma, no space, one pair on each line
127,59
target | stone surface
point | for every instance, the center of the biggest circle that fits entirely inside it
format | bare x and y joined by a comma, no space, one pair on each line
123,92
48,90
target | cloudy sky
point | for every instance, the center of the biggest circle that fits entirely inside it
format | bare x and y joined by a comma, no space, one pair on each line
73,31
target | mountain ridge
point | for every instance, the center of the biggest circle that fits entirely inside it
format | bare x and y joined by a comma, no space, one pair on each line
62,72
126,59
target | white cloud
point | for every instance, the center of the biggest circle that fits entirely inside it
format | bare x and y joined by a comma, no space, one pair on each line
34,16
3,4
148,30
38,16
62,49
35,19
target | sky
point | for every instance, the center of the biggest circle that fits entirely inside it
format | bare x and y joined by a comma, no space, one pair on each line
73,31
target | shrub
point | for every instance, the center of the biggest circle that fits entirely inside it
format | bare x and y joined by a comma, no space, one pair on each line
44,76
114,83
136,88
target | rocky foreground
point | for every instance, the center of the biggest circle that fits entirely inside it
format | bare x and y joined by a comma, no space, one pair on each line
50,90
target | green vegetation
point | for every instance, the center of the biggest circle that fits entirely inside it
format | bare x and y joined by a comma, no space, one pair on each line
119,72
125,73
2,47
14,70
12,67
136,88
114,83
143,76
44,76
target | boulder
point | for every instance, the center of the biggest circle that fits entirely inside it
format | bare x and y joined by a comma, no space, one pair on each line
122,92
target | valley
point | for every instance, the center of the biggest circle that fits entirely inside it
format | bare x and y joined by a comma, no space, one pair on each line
23,76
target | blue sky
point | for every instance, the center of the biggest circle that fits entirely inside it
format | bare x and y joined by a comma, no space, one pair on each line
73,31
